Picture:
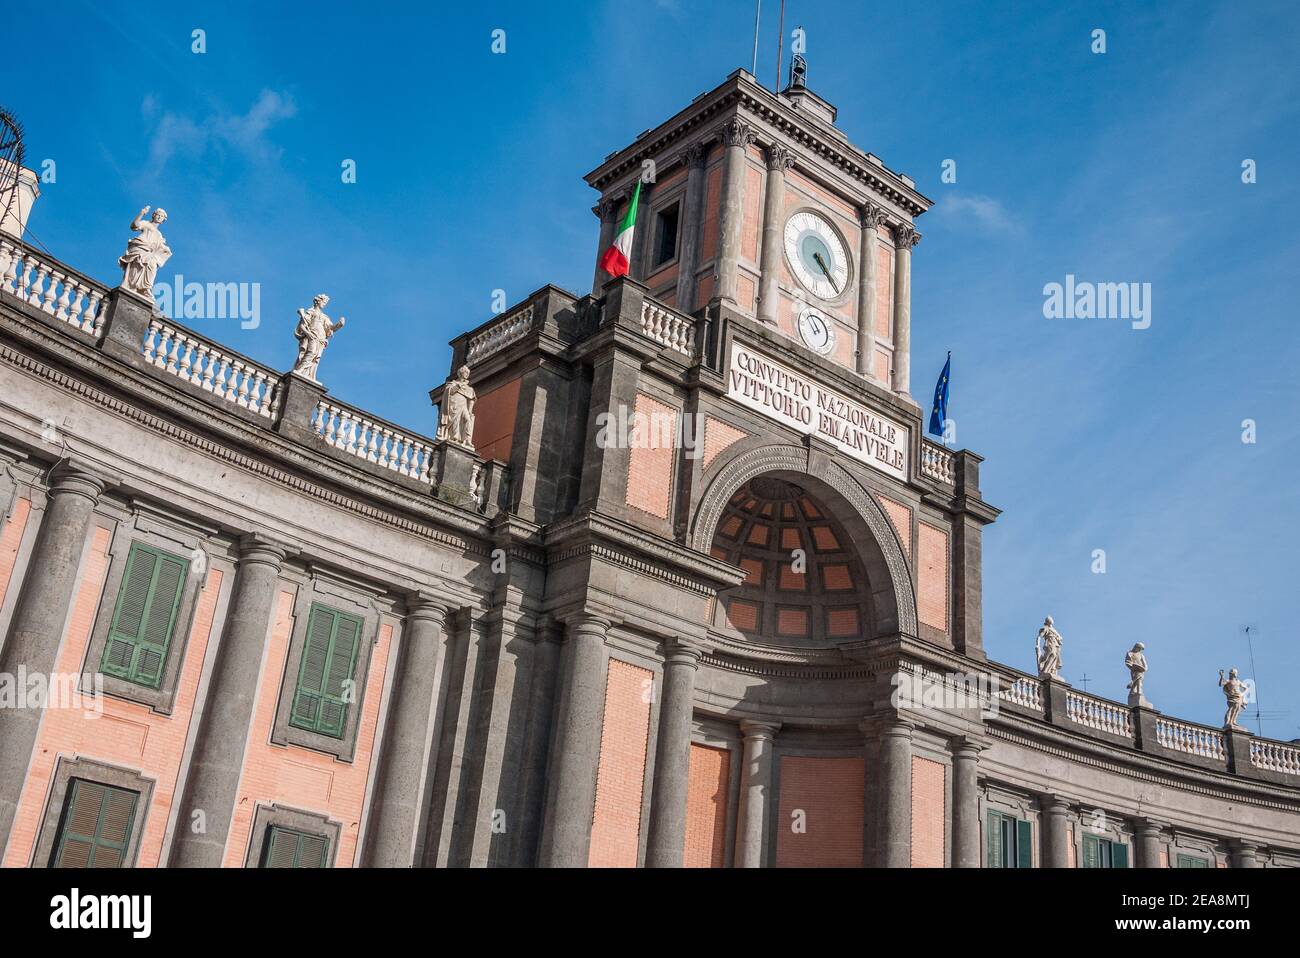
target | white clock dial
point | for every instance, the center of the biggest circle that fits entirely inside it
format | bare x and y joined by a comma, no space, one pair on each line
816,255
817,330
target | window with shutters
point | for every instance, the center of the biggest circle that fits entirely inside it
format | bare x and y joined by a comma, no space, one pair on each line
326,682
144,616
1101,852
1193,861
290,848
95,828
1009,841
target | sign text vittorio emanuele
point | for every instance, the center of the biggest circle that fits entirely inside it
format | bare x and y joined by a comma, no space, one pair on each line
776,391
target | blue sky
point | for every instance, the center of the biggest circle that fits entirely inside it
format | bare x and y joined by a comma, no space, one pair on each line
1122,167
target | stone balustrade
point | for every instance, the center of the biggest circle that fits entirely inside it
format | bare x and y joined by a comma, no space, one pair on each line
201,362
356,434
1098,714
938,463
668,328
511,328
51,287
1275,757
1189,738
1024,691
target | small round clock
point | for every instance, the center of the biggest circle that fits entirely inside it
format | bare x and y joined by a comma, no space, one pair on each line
816,253
816,330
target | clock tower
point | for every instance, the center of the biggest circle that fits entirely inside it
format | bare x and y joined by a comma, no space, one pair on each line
755,203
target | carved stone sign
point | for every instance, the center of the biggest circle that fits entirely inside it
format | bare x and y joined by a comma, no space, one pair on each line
775,390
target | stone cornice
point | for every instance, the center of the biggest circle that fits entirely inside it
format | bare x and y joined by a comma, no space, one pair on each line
740,92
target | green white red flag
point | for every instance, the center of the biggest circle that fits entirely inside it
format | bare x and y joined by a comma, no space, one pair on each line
618,257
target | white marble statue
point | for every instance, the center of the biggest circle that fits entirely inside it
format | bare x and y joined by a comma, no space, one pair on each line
1136,663
145,253
1234,689
1048,648
313,332
456,418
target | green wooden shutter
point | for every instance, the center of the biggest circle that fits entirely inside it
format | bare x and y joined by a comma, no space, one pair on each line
1192,861
1091,851
328,661
1024,845
1118,855
289,848
96,828
145,616
993,840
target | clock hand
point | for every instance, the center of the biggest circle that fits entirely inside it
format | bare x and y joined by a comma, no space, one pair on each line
822,263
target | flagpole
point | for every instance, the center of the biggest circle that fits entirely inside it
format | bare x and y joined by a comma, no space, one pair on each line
758,9
780,35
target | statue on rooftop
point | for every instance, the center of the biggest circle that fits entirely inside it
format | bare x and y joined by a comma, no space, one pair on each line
456,417
1234,689
1048,648
1136,663
144,253
313,333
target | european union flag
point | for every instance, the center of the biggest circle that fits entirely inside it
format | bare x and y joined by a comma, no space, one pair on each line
940,411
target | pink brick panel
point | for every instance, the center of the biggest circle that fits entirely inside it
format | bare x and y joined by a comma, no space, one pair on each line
718,435
829,794
650,461
932,576
620,778
901,516
706,807
927,813
11,537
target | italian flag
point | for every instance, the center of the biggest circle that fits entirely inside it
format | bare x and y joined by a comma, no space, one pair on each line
615,260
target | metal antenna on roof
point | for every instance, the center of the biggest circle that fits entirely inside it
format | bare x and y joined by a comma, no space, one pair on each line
758,8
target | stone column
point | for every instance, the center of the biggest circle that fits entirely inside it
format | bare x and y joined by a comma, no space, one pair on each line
871,217
736,137
1056,836
666,845
688,263
893,805
1146,845
577,744
755,787
218,756
397,808
1245,854
966,803
779,159
36,628
607,211
905,238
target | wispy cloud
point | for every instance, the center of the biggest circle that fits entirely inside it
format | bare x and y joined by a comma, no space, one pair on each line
976,209
177,134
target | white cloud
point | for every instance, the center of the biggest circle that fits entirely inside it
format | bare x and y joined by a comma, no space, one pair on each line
177,134
979,210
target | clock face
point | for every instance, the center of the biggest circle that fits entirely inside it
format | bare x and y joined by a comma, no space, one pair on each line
817,331
816,255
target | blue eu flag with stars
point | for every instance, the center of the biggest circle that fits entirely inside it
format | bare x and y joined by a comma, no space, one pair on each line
940,411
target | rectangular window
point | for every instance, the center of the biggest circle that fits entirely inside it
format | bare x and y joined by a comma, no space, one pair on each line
1010,842
325,680
96,826
144,615
1103,853
1193,861
665,234
290,848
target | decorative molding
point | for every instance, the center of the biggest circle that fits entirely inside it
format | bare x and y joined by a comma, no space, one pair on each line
779,158
872,216
738,133
905,236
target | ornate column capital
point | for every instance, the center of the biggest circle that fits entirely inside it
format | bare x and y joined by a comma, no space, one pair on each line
695,154
779,158
872,216
905,237
738,133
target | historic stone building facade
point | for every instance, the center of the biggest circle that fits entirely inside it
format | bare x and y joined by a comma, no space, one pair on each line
697,592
